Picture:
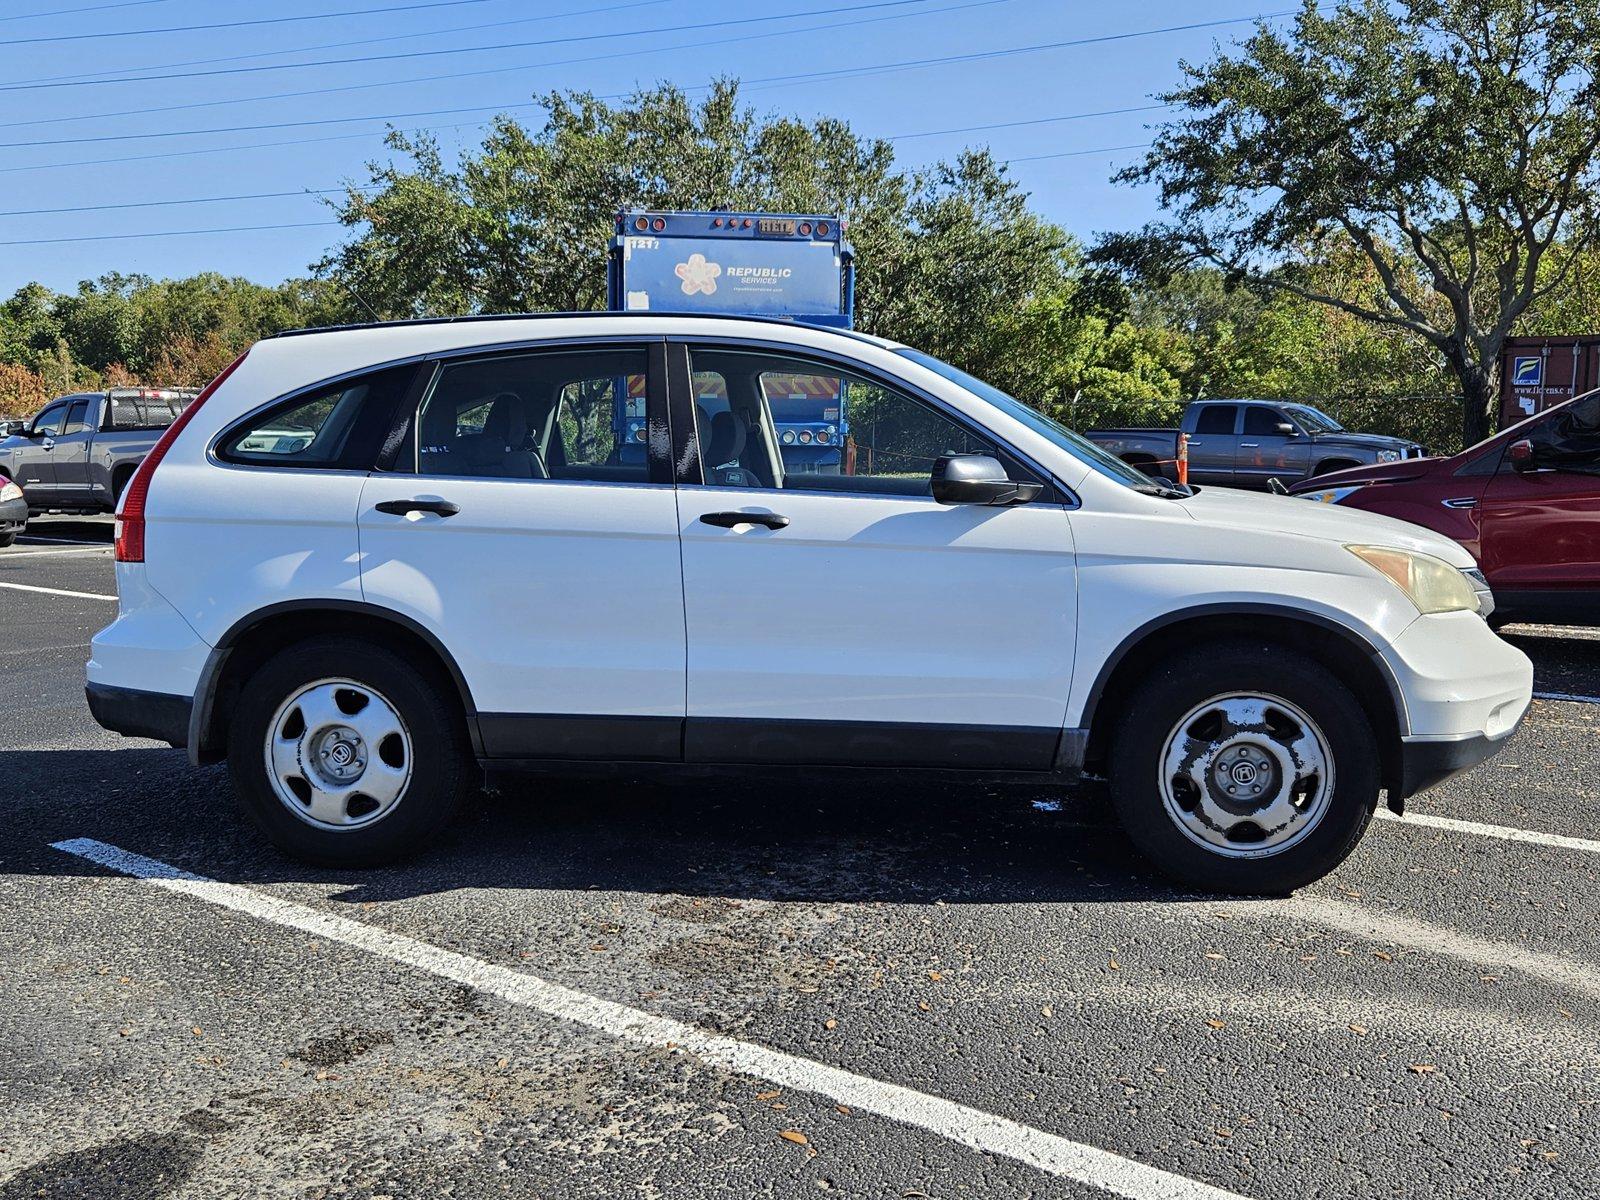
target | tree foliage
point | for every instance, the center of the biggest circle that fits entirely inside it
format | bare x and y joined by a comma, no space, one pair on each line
1450,143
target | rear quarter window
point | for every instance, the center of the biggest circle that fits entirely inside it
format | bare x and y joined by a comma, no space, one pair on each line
340,426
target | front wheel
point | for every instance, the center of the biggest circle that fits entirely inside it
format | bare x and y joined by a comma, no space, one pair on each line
1244,767
345,754
7,539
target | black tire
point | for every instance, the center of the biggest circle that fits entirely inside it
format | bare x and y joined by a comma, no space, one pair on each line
440,759
1177,687
1333,464
7,539
119,482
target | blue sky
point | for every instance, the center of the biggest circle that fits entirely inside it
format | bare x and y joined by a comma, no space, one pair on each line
120,157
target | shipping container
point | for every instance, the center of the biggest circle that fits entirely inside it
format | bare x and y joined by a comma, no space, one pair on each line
1537,373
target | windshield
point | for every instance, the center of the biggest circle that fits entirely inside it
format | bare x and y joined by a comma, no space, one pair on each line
1082,448
1314,419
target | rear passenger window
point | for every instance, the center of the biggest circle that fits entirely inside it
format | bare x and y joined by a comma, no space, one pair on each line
77,418
1216,418
339,427
576,415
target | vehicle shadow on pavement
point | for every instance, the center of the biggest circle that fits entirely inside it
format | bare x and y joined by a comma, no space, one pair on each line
881,837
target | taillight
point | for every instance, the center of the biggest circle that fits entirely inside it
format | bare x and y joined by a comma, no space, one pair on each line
130,512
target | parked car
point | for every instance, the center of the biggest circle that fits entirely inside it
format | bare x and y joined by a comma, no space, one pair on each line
13,513
1249,443
1525,503
457,570
78,452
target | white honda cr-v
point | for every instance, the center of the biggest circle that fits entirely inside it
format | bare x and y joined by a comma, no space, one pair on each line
368,562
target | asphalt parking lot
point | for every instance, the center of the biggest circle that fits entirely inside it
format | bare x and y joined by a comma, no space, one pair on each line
647,987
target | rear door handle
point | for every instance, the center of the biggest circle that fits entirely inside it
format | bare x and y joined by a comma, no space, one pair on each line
48,444
1249,445
727,520
399,508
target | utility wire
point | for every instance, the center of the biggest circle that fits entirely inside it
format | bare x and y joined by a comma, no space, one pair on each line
560,62
393,37
119,237
322,16
415,54
910,64
325,191
65,12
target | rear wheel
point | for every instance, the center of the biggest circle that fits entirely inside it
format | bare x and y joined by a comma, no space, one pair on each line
1244,767
7,539
345,754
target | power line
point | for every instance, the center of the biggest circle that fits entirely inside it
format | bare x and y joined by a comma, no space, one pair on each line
120,237
778,81
113,237
910,64
325,191
414,54
394,37
323,16
1108,112
67,12
80,208
1077,153
696,45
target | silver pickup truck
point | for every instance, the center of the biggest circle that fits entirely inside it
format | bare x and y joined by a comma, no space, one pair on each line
78,452
1249,443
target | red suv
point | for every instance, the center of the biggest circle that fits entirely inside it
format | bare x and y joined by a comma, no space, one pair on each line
1525,502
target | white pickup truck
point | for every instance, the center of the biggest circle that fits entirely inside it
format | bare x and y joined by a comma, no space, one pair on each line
371,561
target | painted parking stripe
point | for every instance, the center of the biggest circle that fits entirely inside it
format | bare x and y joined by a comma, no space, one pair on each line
29,587
1505,833
1572,697
9,554
969,1127
33,537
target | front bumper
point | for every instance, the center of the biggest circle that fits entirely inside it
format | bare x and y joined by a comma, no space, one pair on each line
1460,680
1424,765
133,713
13,515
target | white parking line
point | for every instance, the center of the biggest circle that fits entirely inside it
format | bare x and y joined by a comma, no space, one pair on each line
28,587
29,538
969,1127
1505,833
36,553
1570,696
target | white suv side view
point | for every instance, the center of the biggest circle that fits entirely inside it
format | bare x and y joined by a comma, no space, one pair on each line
369,561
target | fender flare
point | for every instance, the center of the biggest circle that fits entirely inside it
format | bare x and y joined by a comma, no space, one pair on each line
205,695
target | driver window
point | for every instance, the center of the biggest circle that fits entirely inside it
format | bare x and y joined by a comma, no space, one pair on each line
772,421
1264,422
50,421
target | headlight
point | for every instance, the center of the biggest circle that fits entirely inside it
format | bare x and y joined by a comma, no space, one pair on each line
1388,456
1330,495
10,491
1430,583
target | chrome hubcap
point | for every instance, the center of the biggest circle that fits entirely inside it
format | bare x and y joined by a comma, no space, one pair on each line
338,754
1246,776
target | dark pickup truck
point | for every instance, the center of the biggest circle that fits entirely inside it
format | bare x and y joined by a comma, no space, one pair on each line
78,452
1249,443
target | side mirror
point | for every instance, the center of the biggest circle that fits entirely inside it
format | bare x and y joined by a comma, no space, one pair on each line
1287,430
1521,456
978,479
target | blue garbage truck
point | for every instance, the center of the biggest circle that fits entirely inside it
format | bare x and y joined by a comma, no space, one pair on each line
786,265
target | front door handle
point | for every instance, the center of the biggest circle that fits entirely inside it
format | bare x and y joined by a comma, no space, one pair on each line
727,520
400,508
1249,445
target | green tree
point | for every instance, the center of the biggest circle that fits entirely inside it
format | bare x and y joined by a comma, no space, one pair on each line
1450,142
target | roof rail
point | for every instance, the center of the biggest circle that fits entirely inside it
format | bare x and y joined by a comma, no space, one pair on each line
552,316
